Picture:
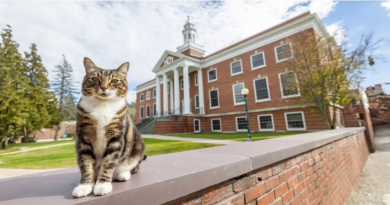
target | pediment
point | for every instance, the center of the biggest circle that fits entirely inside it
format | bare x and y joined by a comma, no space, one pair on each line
167,58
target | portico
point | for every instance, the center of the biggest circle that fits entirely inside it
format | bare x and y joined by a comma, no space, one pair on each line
176,104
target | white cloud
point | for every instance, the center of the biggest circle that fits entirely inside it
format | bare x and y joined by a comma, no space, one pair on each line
386,4
338,31
111,33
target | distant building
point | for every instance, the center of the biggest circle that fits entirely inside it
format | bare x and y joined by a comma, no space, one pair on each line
202,93
373,91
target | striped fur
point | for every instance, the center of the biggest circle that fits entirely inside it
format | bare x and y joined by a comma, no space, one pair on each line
108,144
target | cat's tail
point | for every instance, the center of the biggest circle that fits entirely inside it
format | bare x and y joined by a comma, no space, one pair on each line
144,157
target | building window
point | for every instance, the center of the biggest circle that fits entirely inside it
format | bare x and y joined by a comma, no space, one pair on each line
258,60
288,84
283,52
236,67
266,122
148,95
154,93
148,111
216,125
238,97
241,124
142,97
261,90
182,84
196,125
295,121
142,112
212,75
196,101
154,109
214,101
196,79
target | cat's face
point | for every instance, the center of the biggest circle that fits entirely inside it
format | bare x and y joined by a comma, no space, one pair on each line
104,84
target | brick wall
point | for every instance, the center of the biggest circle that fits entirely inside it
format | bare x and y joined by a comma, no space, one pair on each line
325,175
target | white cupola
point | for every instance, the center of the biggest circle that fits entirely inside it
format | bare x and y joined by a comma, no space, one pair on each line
189,38
189,32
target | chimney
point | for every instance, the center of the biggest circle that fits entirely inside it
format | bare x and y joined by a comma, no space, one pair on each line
378,89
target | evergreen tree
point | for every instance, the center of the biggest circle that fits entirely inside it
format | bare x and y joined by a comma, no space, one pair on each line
40,110
64,88
13,86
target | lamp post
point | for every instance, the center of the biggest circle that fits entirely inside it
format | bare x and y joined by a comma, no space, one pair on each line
245,92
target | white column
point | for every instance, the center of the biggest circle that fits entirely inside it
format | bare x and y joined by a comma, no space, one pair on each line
177,91
165,95
186,91
200,92
171,94
158,97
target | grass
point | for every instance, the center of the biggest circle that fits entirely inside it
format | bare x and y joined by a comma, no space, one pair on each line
13,147
237,136
65,156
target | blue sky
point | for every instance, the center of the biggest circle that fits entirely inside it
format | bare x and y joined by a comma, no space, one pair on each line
111,33
363,17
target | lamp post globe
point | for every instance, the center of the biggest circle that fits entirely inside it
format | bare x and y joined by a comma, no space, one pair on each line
245,92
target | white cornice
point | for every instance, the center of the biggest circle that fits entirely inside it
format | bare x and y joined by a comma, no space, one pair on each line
190,45
309,21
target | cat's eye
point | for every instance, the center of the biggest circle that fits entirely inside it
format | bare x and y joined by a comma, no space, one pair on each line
95,79
114,81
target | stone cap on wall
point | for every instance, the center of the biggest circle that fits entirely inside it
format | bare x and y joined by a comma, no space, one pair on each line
167,177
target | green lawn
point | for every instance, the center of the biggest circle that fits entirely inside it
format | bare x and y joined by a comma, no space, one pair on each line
237,136
65,156
12,147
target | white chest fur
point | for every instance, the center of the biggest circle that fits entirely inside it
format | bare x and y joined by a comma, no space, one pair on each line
102,111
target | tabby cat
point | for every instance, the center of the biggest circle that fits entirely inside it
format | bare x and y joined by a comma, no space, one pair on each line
108,145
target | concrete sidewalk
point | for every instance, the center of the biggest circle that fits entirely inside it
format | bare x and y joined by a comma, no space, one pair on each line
6,173
198,140
373,186
36,148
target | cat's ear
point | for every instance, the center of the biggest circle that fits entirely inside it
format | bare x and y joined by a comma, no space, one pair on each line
89,65
124,68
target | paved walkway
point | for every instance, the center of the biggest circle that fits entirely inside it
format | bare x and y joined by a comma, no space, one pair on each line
209,141
373,186
36,148
6,173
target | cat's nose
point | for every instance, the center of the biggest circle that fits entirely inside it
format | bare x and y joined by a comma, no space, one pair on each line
103,88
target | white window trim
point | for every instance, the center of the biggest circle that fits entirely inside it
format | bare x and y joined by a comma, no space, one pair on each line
234,95
208,76
258,67
281,87
147,95
146,113
141,99
220,123
219,103
295,129
242,130
154,96
254,90
141,108
231,68
154,109
272,119
195,79
199,102
194,126
276,53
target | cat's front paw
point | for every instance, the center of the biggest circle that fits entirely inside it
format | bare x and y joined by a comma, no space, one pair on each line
102,188
82,190
124,176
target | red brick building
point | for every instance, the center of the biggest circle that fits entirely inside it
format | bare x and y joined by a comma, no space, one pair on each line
199,93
